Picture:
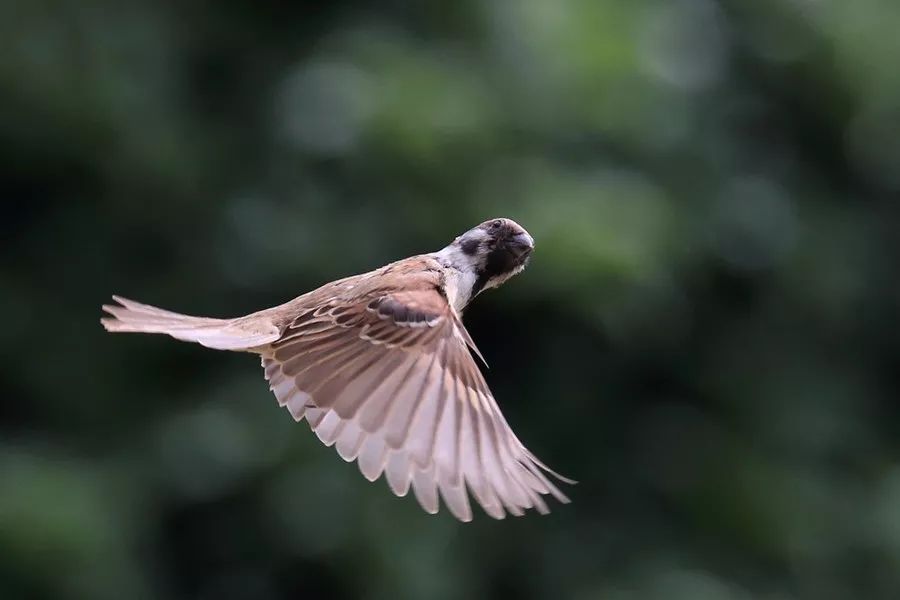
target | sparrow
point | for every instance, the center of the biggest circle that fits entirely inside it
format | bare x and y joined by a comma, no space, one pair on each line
381,367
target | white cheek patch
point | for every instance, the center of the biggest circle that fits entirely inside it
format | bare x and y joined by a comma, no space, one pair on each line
472,243
456,257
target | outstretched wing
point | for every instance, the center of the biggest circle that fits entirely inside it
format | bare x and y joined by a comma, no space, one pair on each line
389,380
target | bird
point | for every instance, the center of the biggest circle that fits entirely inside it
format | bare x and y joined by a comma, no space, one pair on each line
381,367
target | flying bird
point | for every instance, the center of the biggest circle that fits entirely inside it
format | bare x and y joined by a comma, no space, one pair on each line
381,366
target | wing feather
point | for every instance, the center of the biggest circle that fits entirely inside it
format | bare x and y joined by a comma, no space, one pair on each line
456,499
398,472
470,462
372,457
388,379
420,393
350,441
446,444
330,428
425,489
374,410
425,417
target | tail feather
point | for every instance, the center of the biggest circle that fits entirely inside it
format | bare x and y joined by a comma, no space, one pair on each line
221,334
153,311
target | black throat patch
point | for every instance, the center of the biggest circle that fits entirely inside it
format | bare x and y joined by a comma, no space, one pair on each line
499,262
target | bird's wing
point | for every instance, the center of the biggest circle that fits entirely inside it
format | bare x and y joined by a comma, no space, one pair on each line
388,379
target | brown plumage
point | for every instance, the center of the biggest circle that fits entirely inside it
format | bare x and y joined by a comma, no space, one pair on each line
379,365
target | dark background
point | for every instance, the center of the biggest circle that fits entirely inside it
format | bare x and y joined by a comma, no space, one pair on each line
707,336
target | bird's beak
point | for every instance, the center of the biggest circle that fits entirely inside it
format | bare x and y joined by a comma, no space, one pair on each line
520,245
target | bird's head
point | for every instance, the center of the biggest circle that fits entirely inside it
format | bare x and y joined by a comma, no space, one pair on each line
492,252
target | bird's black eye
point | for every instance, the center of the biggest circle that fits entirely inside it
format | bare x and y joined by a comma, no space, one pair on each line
496,224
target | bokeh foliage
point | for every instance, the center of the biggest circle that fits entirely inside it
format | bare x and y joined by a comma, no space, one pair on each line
707,337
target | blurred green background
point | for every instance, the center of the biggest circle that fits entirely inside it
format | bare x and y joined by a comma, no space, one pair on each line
707,336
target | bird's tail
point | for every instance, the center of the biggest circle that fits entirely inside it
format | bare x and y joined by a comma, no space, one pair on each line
221,334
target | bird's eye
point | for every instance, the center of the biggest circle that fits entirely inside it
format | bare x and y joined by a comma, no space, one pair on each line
496,224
